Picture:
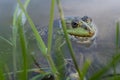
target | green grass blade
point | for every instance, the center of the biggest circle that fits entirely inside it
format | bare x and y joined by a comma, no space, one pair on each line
26,3
86,67
18,26
50,30
36,33
98,74
14,39
117,48
117,35
15,16
23,47
7,41
67,39
14,34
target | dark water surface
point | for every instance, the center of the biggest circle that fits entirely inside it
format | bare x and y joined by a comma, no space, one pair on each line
104,13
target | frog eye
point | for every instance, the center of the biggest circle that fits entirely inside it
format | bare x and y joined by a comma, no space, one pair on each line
74,25
86,19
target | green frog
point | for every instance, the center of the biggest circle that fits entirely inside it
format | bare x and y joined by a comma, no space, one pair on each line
81,31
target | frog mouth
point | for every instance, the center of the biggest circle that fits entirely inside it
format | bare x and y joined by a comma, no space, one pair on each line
80,32
81,35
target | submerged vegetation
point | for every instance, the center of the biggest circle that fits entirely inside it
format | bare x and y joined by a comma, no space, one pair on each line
57,68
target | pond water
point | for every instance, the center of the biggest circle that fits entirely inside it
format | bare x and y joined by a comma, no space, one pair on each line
104,13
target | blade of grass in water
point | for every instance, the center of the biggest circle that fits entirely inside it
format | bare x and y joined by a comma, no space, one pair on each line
117,35
50,30
36,33
14,38
86,67
14,34
67,39
7,41
117,47
23,47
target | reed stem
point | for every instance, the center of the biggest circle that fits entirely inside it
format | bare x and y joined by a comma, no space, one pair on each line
67,40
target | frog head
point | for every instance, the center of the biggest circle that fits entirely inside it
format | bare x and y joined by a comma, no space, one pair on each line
81,29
